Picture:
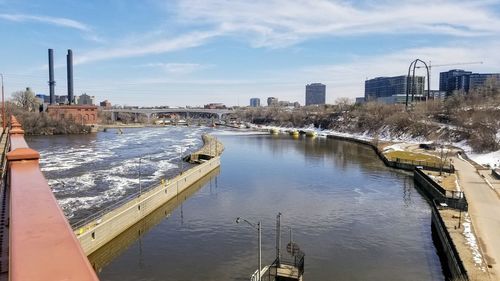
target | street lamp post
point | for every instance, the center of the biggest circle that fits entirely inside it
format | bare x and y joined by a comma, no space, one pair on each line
3,105
140,184
258,228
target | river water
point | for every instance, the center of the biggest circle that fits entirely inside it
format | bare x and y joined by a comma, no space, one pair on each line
354,218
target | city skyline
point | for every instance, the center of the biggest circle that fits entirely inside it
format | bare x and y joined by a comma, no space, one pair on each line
188,53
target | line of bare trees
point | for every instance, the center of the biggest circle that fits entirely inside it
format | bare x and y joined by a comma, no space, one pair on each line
474,117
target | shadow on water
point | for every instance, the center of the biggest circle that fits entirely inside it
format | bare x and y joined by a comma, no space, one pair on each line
100,258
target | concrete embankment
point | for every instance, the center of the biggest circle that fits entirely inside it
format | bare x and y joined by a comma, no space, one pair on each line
442,204
103,229
401,164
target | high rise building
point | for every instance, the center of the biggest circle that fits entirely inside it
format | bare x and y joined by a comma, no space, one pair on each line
254,102
460,80
315,93
454,80
272,101
477,80
386,87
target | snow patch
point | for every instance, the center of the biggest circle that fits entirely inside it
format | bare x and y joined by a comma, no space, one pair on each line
491,159
471,241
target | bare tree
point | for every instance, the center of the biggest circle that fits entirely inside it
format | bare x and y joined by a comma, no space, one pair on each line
26,100
343,103
443,145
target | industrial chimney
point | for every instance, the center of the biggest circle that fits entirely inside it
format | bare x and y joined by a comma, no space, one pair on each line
52,83
69,62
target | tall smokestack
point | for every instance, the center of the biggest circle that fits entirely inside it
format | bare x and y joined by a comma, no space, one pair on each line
69,62
52,83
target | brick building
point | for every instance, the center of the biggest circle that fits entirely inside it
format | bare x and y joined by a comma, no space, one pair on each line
82,114
105,104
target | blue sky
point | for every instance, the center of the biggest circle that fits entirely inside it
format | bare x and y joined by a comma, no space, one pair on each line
192,52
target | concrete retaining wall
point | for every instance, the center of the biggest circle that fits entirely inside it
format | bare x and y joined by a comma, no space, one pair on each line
99,232
453,261
393,164
435,192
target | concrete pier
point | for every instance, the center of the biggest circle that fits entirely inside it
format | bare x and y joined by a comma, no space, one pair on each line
211,148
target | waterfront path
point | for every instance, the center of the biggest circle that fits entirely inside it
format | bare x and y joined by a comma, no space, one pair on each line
484,210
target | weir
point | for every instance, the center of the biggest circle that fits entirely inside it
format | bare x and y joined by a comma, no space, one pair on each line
101,230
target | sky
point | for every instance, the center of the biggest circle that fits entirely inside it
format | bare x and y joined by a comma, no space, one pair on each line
193,52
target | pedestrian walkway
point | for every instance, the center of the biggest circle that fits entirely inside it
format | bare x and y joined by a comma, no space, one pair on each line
484,210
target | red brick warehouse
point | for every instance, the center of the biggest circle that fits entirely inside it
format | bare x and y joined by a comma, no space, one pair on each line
82,114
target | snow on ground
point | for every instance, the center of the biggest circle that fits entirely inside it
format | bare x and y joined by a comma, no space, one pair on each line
395,147
472,242
492,159
457,184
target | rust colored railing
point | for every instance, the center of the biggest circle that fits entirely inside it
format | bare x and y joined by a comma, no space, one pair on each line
42,243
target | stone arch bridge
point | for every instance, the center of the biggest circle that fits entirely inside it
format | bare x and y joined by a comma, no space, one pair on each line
153,111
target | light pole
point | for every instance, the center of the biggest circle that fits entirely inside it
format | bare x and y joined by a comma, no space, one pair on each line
258,228
3,105
180,159
140,185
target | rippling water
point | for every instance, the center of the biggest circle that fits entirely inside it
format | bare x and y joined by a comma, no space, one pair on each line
89,172
354,218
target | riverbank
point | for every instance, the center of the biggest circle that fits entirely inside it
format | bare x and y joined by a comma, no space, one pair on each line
490,159
476,261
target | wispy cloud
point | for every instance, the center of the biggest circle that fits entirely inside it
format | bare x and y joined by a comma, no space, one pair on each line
277,23
177,68
188,40
64,22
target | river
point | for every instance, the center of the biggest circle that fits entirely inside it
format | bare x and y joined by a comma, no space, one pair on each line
354,218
